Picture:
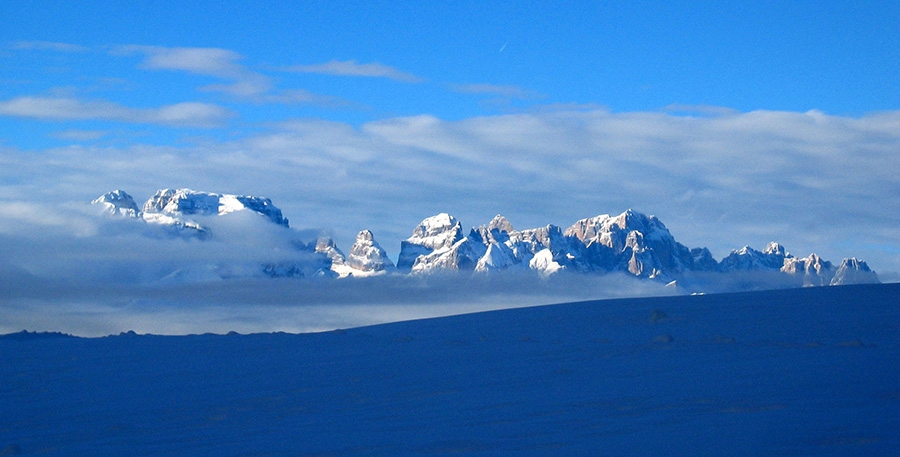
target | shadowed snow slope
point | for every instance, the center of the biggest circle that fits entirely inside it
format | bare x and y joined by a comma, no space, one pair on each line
791,372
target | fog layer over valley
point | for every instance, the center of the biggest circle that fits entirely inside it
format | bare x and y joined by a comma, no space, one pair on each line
195,262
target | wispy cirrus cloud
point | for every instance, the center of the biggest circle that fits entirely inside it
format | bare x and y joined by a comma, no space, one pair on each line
305,97
79,135
217,62
187,114
702,110
49,46
504,91
241,82
811,181
352,68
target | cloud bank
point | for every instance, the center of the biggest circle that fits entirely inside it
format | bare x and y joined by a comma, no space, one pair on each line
717,177
90,275
813,182
187,114
240,81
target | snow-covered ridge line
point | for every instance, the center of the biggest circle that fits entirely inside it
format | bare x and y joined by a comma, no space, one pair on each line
184,202
631,243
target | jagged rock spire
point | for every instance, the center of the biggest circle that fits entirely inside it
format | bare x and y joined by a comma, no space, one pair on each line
367,255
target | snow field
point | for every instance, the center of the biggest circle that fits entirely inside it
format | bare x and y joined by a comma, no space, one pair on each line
798,372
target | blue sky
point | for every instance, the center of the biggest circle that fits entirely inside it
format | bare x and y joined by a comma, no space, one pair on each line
735,123
838,57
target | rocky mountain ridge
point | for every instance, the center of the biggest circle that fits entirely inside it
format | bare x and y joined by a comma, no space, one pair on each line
631,242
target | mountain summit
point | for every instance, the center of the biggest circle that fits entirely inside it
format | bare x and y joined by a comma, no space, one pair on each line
190,202
631,242
118,203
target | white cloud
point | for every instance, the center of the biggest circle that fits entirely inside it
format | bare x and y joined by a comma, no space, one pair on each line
62,108
218,62
496,90
352,68
30,217
242,83
305,97
49,46
79,135
188,114
704,110
68,268
814,182
249,88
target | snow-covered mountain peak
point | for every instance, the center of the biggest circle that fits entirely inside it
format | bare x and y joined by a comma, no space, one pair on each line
190,202
855,264
747,258
774,248
118,203
182,201
366,256
588,228
436,225
627,218
326,245
854,271
815,270
628,221
633,220
501,223
435,232
615,232
365,237
650,226
438,243
631,242
169,207
498,230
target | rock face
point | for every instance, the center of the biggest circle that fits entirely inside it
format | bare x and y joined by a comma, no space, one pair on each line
747,258
810,271
853,271
631,242
190,202
437,244
325,245
813,269
637,243
553,250
118,203
504,247
367,255
171,209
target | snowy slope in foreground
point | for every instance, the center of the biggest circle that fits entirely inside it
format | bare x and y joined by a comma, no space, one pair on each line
791,372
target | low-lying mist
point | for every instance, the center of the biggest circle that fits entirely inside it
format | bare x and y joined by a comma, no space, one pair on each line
286,304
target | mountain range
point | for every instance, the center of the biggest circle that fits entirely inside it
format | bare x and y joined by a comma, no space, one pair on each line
631,242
